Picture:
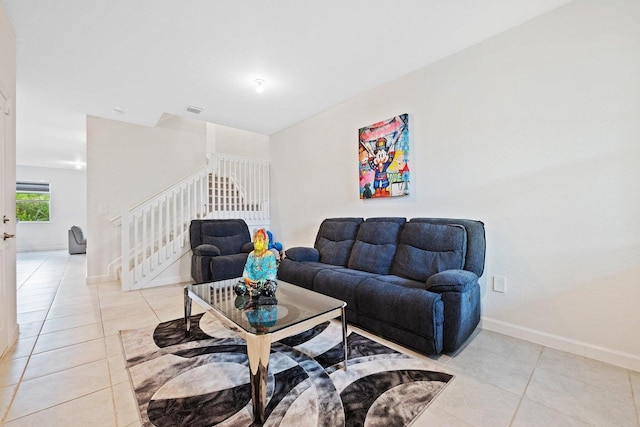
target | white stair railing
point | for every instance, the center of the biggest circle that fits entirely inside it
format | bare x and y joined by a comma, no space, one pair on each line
155,233
240,188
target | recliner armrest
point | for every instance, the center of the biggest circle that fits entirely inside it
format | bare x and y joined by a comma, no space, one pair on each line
451,281
303,254
247,247
206,250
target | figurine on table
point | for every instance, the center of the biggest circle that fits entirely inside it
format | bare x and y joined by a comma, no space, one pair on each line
261,268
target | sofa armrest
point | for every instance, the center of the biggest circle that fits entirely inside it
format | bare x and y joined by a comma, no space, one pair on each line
247,248
451,281
303,254
206,250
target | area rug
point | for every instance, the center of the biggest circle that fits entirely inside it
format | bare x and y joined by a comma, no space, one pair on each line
202,380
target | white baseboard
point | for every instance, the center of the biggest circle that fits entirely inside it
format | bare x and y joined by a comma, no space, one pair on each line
613,357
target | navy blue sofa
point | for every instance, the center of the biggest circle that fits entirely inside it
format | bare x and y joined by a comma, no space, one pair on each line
413,282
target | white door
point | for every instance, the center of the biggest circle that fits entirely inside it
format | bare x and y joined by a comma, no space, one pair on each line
8,224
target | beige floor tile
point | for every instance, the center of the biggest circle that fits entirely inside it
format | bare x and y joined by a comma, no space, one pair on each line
507,371
589,403
22,348
532,414
6,394
166,302
114,345
11,370
435,417
123,298
50,286
586,370
50,390
171,313
162,292
635,386
63,358
126,406
95,410
30,329
118,312
74,300
32,316
72,310
117,370
30,307
24,298
113,327
477,403
70,322
68,337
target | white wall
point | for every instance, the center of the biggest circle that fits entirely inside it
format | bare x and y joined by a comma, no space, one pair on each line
241,143
127,164
68,207
536,132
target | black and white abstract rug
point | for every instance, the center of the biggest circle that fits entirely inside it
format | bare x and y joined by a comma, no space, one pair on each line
203,380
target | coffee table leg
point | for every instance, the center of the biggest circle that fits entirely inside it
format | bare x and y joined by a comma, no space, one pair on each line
344,337
258,350
187,312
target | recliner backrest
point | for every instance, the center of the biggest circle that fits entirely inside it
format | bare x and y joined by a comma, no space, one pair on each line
77,234
474,257
425,249
335,239
228,235
375,244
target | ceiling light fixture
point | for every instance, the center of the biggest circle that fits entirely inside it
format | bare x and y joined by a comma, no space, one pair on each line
260,85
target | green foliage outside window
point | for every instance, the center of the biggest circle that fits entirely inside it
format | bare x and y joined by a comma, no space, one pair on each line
33,206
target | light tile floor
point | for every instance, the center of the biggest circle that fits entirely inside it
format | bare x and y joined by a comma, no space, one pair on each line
67,368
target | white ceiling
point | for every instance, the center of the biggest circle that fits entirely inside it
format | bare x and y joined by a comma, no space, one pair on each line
149,57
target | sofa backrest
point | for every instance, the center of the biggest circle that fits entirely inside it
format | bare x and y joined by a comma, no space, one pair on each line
228,235
375,245
335,239
425,249
475,242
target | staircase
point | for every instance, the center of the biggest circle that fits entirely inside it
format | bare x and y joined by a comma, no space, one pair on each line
155,233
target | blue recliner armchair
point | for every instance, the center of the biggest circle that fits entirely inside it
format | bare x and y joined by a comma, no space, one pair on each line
220,249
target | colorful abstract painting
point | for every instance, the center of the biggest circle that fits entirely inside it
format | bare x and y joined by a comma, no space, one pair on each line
384,158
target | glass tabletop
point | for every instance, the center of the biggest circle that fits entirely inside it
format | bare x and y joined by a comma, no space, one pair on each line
262,315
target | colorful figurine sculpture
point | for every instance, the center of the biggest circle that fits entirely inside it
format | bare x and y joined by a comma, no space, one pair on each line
260,270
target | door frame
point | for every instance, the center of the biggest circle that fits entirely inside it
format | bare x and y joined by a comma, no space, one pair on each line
8,315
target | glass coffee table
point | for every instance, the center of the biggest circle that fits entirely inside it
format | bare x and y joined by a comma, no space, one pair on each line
263,320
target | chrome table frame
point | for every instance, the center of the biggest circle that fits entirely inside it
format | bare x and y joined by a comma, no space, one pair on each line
259,345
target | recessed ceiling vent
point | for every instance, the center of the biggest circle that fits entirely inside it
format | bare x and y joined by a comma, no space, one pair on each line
194,110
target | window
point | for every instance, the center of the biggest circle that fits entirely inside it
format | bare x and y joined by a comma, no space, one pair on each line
32,201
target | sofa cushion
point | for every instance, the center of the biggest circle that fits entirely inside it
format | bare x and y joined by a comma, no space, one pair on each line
375,246
425,249
335,239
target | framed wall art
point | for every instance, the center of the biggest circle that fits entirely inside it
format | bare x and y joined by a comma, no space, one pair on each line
384,158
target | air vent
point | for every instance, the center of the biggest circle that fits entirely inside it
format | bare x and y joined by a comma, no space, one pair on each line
194,110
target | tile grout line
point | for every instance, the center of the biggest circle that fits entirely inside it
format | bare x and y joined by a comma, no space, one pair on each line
524,392
20,380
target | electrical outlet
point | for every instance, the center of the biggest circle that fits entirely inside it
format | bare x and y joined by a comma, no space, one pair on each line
499,284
